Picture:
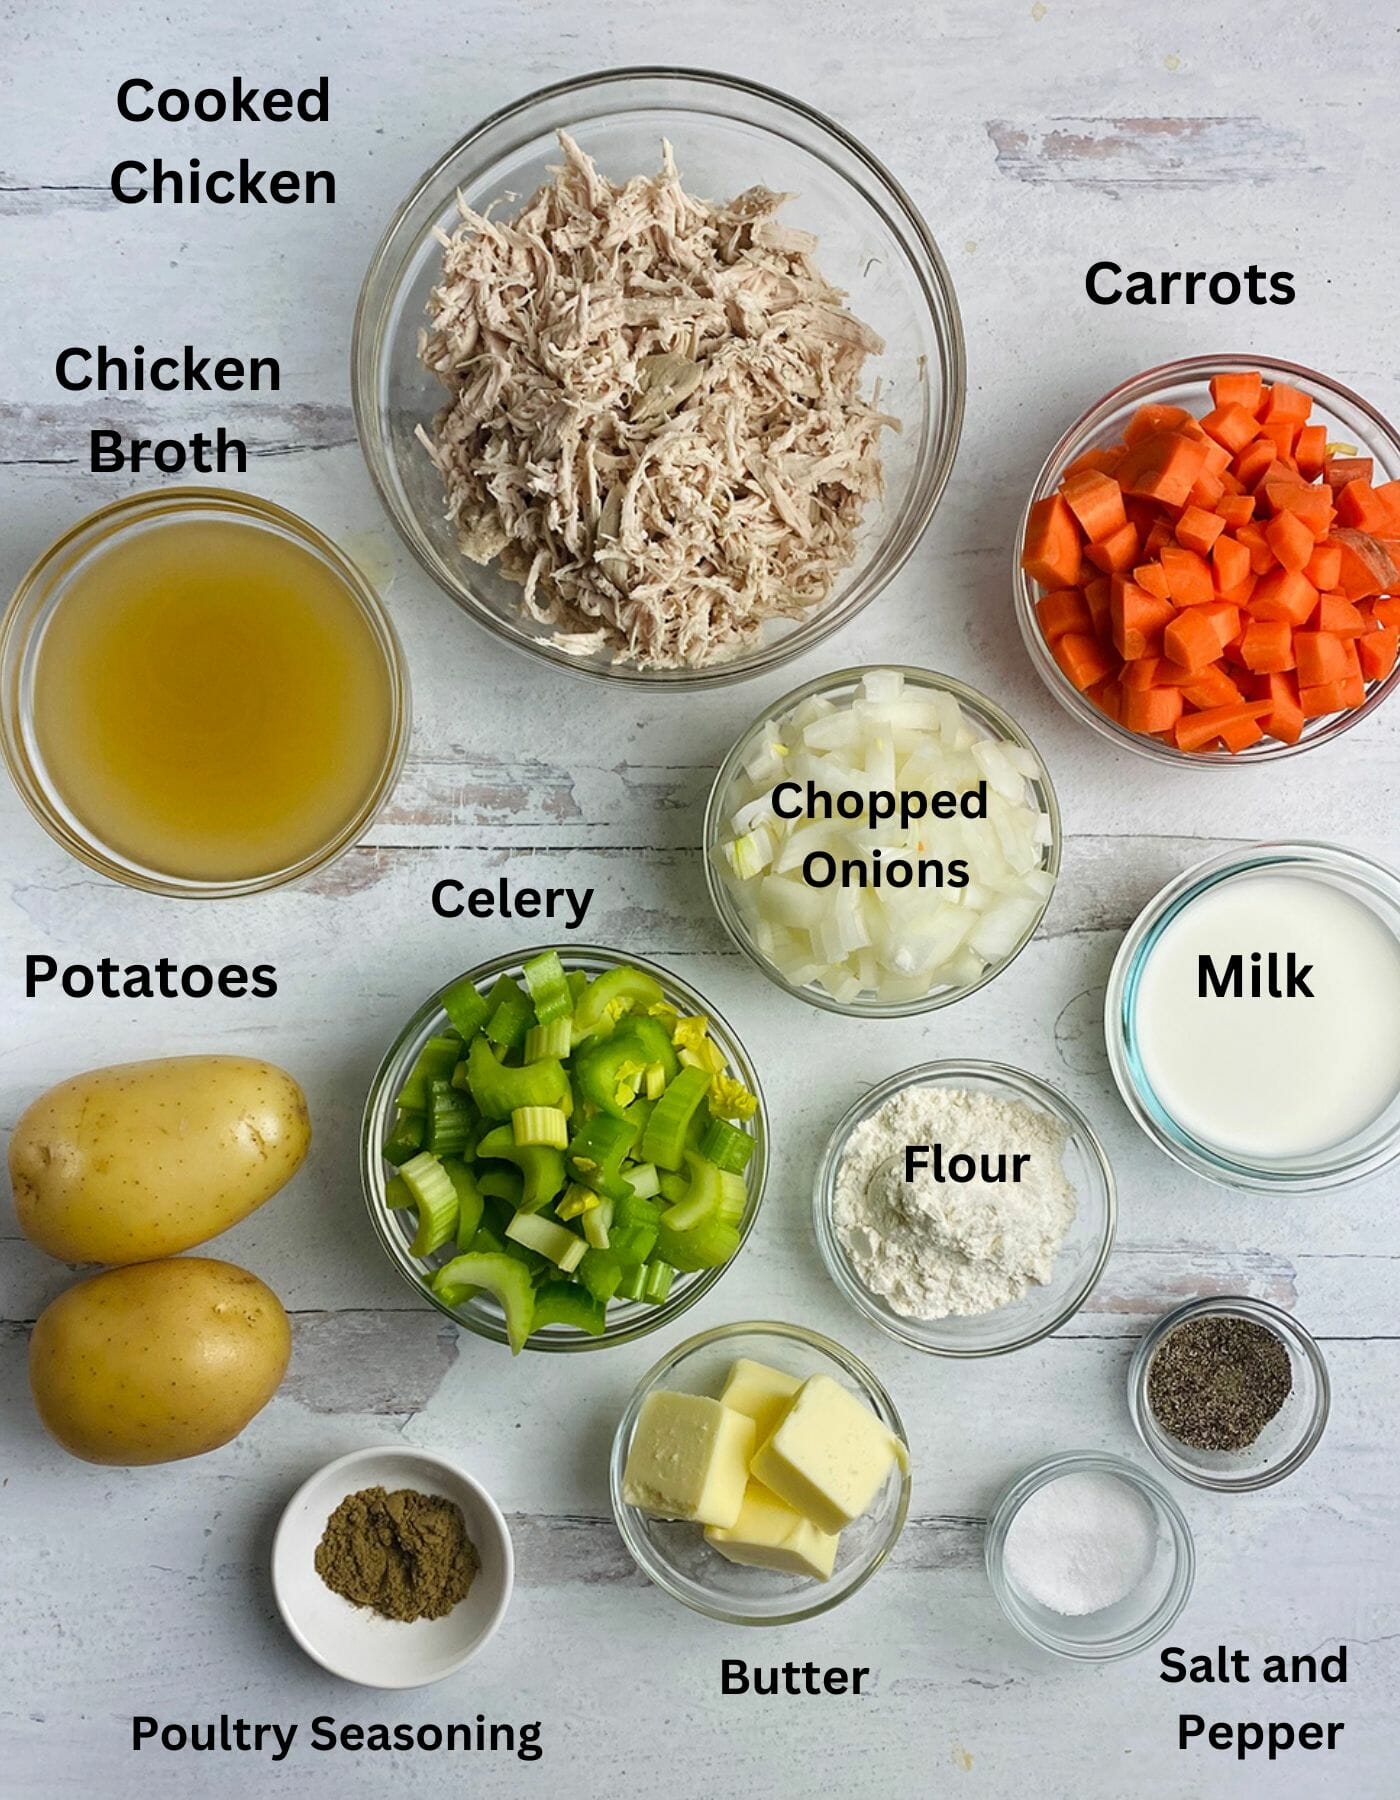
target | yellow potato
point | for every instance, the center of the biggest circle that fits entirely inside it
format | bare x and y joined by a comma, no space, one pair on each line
126,1164
158,1361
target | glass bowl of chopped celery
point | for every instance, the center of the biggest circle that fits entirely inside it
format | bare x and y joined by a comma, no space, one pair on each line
713,583
564,1149
773,1565
882,842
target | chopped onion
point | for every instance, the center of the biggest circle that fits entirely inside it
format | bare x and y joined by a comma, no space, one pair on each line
891,943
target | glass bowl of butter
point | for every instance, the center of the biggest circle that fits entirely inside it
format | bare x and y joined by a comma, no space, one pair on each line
760,1474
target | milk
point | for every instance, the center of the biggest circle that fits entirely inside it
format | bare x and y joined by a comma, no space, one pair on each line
1290,1050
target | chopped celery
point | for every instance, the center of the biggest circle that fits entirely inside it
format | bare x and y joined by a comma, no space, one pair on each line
451,1120
555,1039
549,987
643,1179
546,1238
610,1071
596,1153
540,1125
577,1201
541,1166
465,1007
501,1276
726,1146
707,1246
654,1084
600,1273
397,1193
674,1188
597,1222
734,1197
511,1015
506,1185
632,1234
471,1202
499,1091
566,1303
660,1275
664,1139
633,1283
609,996
436,1200
406,1139
435,1062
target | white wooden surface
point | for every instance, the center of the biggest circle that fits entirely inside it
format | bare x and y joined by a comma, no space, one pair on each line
1036,138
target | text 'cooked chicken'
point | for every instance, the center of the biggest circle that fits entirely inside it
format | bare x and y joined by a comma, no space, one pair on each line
656,424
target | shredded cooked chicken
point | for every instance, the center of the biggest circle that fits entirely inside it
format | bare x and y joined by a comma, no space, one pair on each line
656,424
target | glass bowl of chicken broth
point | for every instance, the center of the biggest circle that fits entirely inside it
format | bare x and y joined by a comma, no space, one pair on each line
682,527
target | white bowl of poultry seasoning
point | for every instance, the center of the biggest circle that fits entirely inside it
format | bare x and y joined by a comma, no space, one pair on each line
660,376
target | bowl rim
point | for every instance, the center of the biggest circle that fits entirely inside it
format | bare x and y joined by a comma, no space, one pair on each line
853,1366
1022,1085
1130,959
1179,1462
157,509
429,1459
1077,1462
1078,437
685,1291
976,702
939,300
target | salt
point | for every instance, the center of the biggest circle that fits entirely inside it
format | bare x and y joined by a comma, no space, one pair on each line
1081,1543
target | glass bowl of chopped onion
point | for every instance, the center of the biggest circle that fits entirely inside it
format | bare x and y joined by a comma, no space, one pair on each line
659,375
850,1232
887,918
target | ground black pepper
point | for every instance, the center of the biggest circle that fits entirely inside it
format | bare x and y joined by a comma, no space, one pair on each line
1215,1382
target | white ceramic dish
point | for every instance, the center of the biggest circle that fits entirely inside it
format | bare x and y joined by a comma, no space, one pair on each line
355,1643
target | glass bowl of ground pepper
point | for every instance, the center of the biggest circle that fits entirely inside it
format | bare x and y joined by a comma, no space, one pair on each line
1229,1393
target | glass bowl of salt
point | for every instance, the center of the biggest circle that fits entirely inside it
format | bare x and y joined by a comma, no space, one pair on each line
1089,1557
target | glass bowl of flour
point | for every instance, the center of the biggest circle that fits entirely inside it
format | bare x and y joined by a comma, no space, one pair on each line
966,1208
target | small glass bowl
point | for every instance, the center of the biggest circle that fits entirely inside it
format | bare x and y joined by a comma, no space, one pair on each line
1285,1443
728,134
42,591
626,1319
982,712
675,1555
1083,1254
1133,1623
1349,419
1369,882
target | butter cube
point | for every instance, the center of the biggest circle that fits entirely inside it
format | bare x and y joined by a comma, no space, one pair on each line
829,1455
689,1459
769,1534
759,1391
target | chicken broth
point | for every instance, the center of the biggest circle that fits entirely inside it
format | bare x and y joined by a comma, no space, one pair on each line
211,701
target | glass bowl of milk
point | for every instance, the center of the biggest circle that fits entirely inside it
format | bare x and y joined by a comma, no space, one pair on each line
1253,1017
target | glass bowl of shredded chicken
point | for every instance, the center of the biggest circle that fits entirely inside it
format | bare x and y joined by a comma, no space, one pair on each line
660,376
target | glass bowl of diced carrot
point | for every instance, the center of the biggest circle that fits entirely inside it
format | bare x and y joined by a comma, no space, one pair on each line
1208,567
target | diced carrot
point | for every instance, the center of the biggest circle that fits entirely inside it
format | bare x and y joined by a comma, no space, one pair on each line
1152,709
1310,452
1117,552
1105,461
1241,735
1063,610
1284,594
1159,533
1324,566
1284,720
1385,612
1229,562
1244,388
1282,434
1360,505
1207,491
1197,529
1236,510
1138,618
1389,492
1337,615
1213,687
1337,471
1153,418
1366,567
1166,673
1192,639
1082,659
1140,674
1377,651
1162,467
1284,402
1254,462
1051,553
1096,597
1096,500
1321,658
1313,505
1196,730
1289,539
1267,646
1153,577
1231,426
1243,592
1331,696
1188,576
1261,553
1107,695
1216,460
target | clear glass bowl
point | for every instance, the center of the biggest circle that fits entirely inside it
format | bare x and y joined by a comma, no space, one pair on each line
42,591
728,134
1082,1257
675,1555
1285,1443
994,724
1133,1623
1374,886
1349,419
626,1319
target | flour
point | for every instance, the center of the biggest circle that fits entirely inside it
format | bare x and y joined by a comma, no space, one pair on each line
933,1248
